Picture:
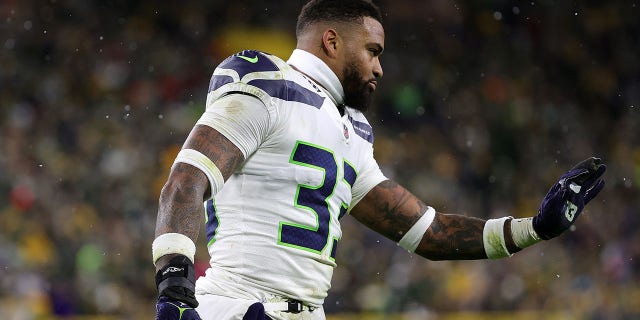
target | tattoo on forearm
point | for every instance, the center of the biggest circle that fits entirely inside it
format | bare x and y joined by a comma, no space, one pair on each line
454,236
180,208
393,211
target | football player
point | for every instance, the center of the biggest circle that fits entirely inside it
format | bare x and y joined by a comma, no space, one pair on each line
281,153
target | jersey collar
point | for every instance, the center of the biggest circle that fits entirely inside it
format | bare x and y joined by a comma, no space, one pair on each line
319,71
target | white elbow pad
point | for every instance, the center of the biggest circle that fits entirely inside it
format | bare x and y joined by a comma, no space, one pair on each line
202,162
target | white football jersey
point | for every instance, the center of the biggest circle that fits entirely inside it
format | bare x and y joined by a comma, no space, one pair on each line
274,228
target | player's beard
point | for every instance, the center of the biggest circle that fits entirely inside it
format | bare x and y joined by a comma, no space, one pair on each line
357,93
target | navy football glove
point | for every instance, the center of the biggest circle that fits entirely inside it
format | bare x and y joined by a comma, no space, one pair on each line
565,200
169,309
176,287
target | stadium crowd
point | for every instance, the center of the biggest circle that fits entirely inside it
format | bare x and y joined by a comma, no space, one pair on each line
483,104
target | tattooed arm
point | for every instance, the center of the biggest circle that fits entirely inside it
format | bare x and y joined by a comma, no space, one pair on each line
181,208
391,210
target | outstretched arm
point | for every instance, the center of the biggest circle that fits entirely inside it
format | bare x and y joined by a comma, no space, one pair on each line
393,211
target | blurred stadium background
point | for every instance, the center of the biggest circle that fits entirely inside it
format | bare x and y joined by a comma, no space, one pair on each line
483,105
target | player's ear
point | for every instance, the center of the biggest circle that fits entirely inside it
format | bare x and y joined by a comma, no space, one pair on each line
330,42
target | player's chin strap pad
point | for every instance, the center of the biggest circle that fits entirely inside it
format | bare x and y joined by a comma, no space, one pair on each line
177,280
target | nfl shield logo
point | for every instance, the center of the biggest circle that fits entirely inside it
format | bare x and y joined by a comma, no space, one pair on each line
346,131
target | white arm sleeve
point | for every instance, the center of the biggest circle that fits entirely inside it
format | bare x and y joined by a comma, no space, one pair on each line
241,118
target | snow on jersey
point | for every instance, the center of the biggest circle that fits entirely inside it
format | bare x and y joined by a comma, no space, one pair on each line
274,228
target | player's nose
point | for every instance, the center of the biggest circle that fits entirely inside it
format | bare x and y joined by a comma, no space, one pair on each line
377,69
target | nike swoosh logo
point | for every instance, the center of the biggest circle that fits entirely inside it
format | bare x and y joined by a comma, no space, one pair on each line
252,60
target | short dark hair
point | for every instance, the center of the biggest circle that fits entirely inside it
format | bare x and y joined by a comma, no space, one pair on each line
336,11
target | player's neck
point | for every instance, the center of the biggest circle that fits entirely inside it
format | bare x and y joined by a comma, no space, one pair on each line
319,72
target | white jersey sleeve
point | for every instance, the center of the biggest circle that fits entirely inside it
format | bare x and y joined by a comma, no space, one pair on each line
369,174
241,118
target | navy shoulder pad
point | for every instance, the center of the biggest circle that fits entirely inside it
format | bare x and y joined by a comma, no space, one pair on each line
248,61
243,63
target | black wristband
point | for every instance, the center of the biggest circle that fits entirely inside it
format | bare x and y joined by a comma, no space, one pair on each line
176,280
